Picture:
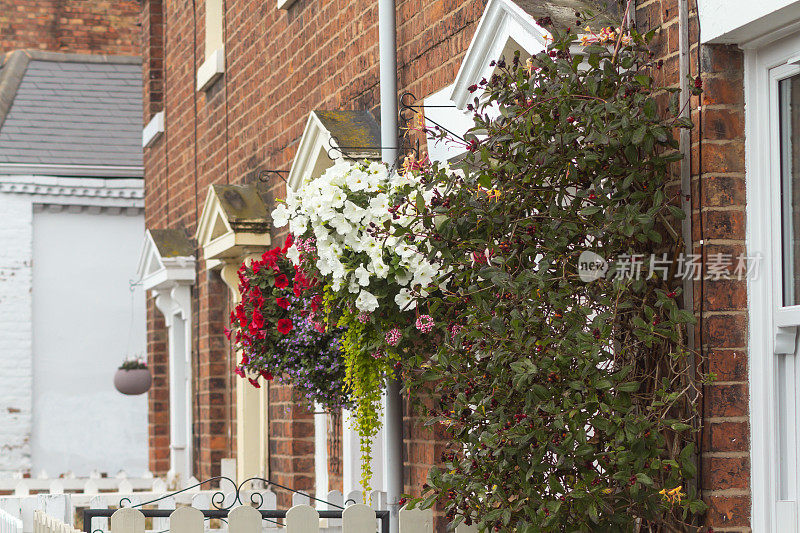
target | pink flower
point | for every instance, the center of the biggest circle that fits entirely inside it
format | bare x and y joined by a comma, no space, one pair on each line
363,317
393,337
424,323
377,355
239,371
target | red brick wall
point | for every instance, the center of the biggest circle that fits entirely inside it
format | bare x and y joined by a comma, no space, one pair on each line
158,397
77,26
280,66
718,219
322,54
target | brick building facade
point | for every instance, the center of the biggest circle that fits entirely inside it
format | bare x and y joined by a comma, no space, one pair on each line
75,26
282,64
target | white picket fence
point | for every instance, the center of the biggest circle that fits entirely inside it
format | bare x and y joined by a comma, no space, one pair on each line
43,523
95,483
358,518
9,523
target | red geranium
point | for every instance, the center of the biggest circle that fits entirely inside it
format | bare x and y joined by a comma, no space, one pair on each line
282,302
285,325
281,282
266,375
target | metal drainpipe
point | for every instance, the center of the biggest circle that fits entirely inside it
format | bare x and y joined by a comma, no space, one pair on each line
685,147
393,430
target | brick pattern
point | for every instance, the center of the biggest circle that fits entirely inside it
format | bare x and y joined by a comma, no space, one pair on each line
16,316
718,218
76,26
322,54
335,452
318,55
158,397
720,214
153,58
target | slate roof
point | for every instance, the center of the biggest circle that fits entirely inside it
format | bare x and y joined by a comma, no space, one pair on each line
69,114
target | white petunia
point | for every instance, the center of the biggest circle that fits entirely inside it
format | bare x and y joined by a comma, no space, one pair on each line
405,300
298,224
293,254
352,212
362,275
379,268
366,301
280,216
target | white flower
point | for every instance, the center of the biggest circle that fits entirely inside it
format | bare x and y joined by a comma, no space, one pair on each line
366,301
357,180
298,224
293,254
341,225
354,287
379,268
379,206
402,278
424,274
352,212
362,275
280,216
405,300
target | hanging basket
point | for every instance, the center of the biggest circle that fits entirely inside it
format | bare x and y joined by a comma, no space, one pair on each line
132,382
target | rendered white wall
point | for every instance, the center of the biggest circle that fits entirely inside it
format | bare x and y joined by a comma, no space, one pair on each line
82,263
738,21
15,333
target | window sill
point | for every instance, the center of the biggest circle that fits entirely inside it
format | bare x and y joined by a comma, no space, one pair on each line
211,69
153,130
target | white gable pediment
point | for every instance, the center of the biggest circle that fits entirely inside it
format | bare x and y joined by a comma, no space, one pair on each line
234,222
504,28
166,259
330,136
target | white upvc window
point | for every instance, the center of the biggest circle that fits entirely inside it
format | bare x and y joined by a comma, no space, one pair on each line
214,65
772,98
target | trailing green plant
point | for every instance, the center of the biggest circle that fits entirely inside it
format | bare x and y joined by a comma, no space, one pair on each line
356,233
571,404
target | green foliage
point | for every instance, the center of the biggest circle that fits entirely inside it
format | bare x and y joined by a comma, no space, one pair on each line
570,404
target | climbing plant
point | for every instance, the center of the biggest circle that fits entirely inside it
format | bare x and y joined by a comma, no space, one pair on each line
568,389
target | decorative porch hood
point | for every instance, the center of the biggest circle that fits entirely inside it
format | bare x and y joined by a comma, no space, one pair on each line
167,270
234,228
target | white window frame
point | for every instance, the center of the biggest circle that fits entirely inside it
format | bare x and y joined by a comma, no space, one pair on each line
772,326
214,65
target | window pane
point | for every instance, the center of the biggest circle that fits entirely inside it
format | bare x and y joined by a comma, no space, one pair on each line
789,110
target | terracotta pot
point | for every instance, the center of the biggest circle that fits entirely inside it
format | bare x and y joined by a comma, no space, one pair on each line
133,381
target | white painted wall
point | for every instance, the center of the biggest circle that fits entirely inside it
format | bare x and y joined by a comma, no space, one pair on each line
15,332
82,263
739,21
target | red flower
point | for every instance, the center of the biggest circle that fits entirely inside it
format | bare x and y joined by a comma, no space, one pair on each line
245,360
288,243
315,301
285,325
266,375
239,371
281,282
282,302
258,320
257,266
254,382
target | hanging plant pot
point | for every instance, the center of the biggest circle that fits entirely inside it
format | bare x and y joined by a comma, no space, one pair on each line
132,382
